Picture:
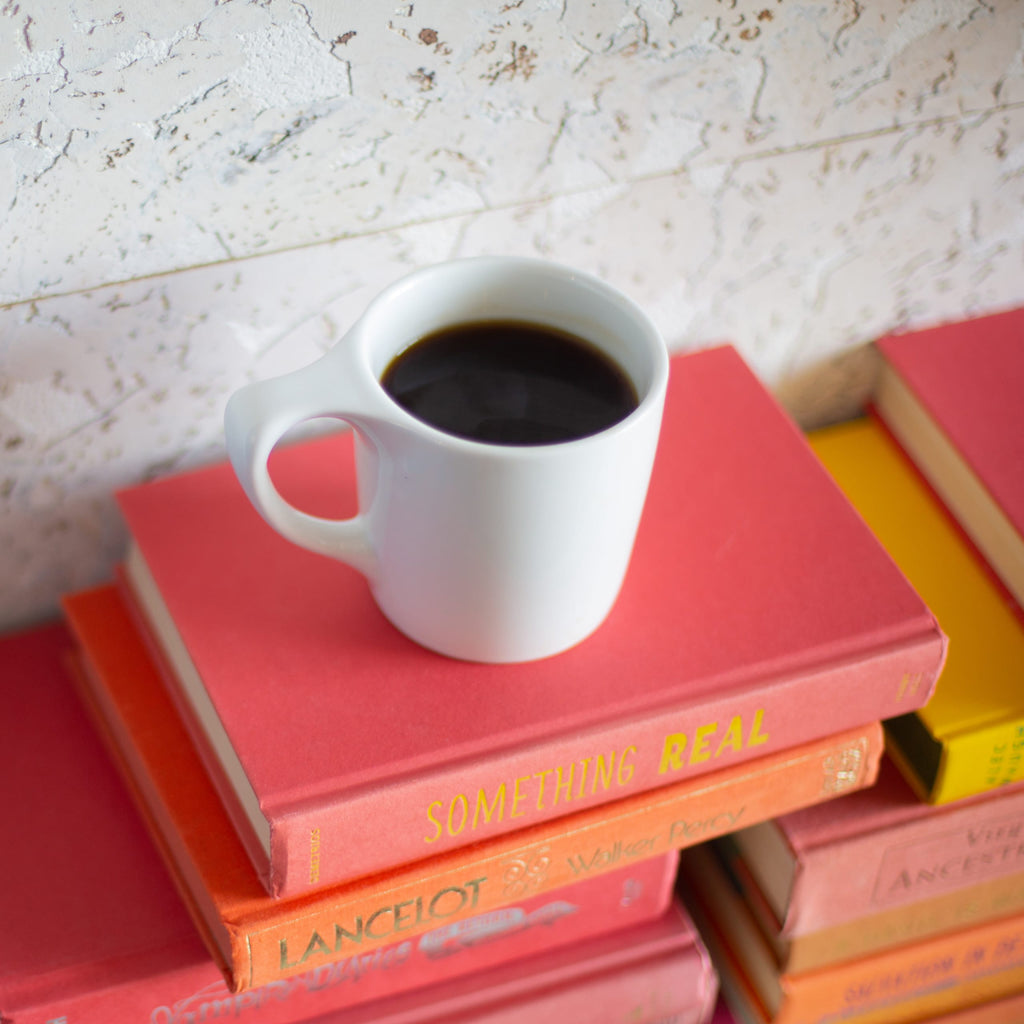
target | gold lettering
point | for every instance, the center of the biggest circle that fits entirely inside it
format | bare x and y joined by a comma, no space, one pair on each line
540,792
733,738
437,825
562,783
517,796
626,769
373,917
403,919
564,787
285,964
585,764
461,802
702,742
489,810
316,945
459,893
756,737
603,772
672,752
341,934
702,750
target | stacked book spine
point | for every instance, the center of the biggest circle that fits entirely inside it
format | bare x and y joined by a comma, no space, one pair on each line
905,901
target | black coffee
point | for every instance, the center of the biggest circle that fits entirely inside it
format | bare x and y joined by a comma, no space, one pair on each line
509,382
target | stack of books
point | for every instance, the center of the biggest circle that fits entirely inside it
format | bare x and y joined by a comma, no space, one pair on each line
906,901
329,819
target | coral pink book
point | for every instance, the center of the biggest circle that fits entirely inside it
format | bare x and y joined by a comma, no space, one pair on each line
95,932
952,397
758,612
917,981
878,849
257,939
89,914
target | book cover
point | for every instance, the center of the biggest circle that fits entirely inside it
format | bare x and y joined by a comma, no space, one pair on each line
257,939
912,982
88,913
969,737
877,850
280,660
94,930
651,974
951,395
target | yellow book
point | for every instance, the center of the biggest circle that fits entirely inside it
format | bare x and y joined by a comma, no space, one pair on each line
969,738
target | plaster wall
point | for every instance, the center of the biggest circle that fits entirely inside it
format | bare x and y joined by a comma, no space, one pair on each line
197,194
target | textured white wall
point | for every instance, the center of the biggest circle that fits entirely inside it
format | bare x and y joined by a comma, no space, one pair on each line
194,194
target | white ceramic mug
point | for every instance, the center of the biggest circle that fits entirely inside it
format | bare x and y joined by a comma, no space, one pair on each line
480,551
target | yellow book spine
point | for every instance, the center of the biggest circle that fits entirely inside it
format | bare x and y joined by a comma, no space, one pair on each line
980,761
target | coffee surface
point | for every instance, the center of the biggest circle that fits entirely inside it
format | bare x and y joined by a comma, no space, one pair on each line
510,383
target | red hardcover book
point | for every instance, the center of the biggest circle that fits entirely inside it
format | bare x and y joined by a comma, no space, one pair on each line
94,931
652,974
913,982
952,395
759,612
88,913
880,848
258,939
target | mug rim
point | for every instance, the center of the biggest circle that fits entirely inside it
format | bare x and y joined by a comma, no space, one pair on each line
654,347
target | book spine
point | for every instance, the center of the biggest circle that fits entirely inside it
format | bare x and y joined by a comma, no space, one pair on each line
436,812
886,868
358,918
656,973
1009,1010
913,982
980,762
658,990
925,918
954,481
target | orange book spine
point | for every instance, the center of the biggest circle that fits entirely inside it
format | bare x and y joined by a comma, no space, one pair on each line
1009,1010
259,940
912,982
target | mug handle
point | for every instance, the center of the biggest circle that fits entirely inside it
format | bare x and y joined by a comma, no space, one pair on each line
257,416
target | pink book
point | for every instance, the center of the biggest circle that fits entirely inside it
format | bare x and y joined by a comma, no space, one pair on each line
759,612
653,974
94,931
954,397
879,849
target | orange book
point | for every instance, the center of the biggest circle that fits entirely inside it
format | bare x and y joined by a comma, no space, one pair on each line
257,939
912,982
1009,1010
